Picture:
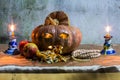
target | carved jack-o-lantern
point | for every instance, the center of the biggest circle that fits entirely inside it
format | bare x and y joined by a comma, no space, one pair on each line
56,31
51,35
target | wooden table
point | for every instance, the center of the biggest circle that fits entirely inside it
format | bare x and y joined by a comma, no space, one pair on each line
18,64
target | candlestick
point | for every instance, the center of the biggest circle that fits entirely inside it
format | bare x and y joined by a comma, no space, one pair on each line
12,46
107,47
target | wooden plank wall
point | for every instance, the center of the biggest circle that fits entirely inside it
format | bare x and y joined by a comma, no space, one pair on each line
61,76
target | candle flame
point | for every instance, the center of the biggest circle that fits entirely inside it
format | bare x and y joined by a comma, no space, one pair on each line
108,29
12,27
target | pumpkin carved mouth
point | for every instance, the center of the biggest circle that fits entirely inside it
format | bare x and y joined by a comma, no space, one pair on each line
56,48
50,47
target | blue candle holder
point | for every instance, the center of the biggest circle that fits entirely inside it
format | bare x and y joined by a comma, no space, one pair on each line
107,47
12,47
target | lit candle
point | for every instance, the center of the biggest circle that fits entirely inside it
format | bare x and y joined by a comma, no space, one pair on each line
12,29
12,45
108,29
107,47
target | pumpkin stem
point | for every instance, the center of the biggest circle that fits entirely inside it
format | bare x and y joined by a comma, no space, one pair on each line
53,21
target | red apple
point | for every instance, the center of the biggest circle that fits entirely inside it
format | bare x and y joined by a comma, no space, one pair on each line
22,44
30,50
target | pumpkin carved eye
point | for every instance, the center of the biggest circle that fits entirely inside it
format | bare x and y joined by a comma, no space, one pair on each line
47,35
64,35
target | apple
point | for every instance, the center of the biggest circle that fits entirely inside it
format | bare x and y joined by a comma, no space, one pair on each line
30,50
22,44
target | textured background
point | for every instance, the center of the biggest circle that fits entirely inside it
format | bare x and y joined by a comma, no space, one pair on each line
91,16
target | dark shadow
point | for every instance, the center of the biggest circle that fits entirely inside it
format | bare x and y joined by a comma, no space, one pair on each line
3,39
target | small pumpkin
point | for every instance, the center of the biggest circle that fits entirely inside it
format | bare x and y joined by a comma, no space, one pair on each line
51,35
58,17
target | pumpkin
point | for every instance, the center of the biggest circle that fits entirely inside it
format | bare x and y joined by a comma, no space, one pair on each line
50,35
57,31
58,17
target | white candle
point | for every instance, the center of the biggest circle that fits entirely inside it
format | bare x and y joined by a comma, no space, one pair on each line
108,29
12,29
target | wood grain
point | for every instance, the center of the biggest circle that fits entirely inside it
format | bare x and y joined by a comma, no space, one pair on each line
18,60
63,76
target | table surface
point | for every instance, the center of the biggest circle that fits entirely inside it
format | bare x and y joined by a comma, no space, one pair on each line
104,63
